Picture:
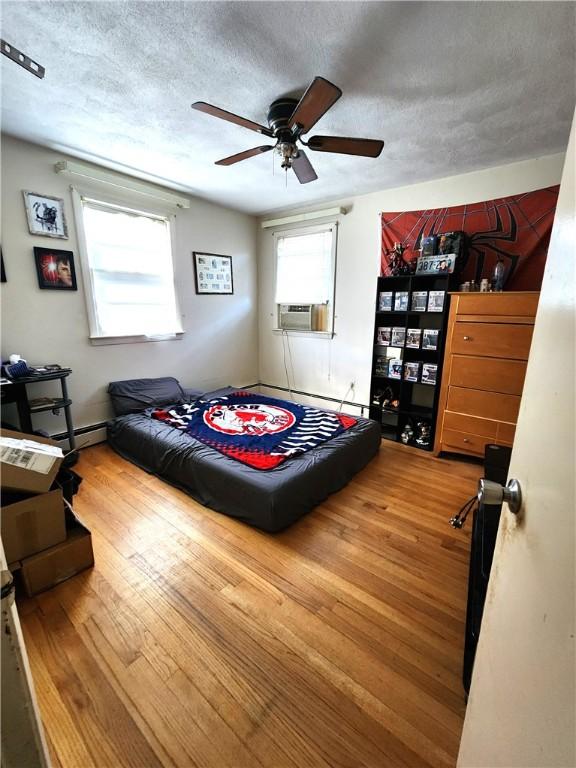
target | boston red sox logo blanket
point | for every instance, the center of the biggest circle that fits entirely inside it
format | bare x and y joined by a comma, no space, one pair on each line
259,431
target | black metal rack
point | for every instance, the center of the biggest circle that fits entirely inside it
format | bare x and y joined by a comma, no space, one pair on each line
15,392
418,402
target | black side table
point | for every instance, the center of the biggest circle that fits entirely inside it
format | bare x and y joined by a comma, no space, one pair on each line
15,391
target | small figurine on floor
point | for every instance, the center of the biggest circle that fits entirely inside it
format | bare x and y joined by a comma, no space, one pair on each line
423,436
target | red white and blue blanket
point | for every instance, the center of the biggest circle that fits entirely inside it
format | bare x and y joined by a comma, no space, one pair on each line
259,431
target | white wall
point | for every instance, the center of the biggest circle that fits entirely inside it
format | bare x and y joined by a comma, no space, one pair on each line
327,366
219,346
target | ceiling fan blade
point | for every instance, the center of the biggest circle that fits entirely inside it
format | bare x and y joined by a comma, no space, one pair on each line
317,100
244,155
302,167
346,146
209,109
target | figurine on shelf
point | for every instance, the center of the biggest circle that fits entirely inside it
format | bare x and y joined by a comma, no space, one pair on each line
423,437
396,263
498,275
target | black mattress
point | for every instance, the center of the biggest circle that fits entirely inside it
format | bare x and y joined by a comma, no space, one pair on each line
267,499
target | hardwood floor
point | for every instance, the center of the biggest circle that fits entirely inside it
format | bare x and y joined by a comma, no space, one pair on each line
198,641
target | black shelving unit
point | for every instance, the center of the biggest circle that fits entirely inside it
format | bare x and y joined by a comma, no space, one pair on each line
417,402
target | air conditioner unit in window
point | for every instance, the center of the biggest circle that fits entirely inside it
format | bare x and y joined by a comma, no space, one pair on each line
295,317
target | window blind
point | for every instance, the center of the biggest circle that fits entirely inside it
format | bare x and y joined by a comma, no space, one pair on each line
304,268
132,277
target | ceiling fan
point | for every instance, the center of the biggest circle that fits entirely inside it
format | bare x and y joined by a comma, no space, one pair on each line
288,120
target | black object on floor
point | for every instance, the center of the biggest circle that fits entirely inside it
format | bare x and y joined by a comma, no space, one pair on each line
484,530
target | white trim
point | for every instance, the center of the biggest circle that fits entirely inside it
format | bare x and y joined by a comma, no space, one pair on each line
99,341
327,212
105,177
315,334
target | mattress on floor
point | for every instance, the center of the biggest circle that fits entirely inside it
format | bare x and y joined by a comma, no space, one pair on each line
267,499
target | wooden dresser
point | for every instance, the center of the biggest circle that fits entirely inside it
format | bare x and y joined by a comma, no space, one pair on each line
487,346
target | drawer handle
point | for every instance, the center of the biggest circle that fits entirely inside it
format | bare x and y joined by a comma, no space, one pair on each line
465,440
467,338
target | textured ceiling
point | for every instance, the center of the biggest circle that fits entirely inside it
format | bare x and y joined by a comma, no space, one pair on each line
450,87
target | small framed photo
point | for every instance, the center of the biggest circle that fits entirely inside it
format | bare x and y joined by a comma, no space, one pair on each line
55,269
45,215
213,273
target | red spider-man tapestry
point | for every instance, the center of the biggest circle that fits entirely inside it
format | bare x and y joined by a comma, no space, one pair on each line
517,228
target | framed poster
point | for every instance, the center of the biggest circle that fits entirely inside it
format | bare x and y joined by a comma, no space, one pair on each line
55,269
45,215
213,273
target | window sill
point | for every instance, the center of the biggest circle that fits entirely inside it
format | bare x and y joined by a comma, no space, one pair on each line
315,334
98,341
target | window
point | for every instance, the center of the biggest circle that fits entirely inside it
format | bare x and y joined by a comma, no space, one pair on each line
128,272
305,269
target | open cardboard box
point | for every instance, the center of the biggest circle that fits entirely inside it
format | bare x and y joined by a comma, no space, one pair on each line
31,523
23,469
60,562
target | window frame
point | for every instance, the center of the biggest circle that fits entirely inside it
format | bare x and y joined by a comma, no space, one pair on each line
300,231
136,205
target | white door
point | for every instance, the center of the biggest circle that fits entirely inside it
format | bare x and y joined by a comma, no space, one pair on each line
521,710
23,744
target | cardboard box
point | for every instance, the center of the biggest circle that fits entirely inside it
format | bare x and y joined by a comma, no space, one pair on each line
23,469
48,568
31,523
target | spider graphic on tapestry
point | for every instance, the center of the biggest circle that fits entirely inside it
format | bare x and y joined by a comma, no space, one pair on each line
516,228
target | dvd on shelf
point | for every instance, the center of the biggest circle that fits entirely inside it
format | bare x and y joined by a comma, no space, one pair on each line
430,338
395,368
419,301
384,336
436,301
411,371
429,373
398,337
385,301
401,301
413,338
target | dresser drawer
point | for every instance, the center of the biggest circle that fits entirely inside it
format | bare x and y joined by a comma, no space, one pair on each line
460,422
487,405
488,373
464,442
503,304
492,340
505,434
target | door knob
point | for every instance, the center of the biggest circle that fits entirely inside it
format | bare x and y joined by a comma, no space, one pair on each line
492,493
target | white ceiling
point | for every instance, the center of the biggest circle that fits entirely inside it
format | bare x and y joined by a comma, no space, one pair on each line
450,87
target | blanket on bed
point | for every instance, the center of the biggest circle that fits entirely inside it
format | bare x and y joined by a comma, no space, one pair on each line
256,430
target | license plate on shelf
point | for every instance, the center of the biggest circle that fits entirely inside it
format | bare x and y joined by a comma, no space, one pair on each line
436,265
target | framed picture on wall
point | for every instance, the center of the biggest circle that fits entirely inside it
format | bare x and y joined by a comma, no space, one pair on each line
55,269
213,273
45,215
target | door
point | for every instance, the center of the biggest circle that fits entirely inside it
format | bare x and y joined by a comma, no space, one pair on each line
521,710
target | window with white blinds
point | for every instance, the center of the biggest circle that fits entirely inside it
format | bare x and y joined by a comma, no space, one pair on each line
305,267
131,275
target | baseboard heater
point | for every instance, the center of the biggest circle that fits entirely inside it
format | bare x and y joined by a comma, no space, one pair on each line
85,436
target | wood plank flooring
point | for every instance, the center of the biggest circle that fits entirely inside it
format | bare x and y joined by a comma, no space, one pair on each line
198,641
